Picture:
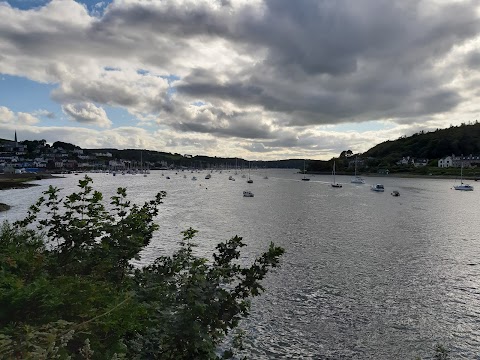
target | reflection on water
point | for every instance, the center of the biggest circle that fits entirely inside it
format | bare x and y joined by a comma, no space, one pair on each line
365,275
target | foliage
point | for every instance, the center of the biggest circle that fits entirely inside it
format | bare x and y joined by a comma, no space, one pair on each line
64,146
463,139
68,289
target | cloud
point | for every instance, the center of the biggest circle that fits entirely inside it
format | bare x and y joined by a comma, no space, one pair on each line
45,113
7,116
87,113
138,93
264,75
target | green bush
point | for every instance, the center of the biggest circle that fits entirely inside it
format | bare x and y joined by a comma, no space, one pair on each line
68,289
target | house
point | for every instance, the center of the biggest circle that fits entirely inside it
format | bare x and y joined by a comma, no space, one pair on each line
420,162
445,162
105,154
360,162
405,161
459,161
9,170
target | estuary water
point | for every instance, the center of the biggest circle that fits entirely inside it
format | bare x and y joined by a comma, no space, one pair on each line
365,275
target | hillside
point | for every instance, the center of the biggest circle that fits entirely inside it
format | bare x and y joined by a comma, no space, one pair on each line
200,161
463,139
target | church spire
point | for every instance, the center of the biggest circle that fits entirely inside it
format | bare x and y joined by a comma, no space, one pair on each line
16,142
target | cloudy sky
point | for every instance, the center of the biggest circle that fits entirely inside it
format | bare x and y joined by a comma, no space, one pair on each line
258,79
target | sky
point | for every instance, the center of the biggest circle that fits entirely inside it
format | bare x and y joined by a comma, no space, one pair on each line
257,79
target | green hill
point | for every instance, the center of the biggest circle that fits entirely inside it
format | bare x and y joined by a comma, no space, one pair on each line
463,139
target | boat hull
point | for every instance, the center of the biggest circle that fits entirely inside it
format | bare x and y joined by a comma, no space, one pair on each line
463,188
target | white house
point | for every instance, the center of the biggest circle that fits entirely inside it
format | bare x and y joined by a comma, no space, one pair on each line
460,160
105,154
445,162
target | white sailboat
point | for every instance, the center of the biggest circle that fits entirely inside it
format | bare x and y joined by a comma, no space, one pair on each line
304,171
357,179
335,184
462,186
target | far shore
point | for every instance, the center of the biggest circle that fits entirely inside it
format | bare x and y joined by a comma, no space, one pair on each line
400,175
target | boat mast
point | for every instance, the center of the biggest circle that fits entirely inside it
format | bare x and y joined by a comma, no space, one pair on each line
334,172
461,173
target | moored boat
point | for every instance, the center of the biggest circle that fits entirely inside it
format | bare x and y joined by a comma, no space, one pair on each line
378,188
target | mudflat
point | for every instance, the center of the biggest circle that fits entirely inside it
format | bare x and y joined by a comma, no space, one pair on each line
20,181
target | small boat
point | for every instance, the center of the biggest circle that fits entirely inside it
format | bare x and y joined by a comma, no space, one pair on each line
230,177
250,181
194,178
168,178
247,194
335,184
395,193
304,172
208,176
462,186
378,188
357,179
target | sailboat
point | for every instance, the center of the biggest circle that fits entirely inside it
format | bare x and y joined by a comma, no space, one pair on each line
462,186
266,176
249,180
335,184
141,165
304,171
357,179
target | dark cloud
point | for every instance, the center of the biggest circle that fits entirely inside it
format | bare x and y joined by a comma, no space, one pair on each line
473,60
215,121
282,64
331,62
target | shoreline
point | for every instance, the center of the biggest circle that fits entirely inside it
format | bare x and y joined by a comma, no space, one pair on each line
21,181
401,175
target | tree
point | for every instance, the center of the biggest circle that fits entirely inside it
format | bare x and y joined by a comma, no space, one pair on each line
68,288
346,153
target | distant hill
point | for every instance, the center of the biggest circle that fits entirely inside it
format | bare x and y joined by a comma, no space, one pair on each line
199,161
463,139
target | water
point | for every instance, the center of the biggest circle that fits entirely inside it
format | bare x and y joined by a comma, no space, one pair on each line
365,275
